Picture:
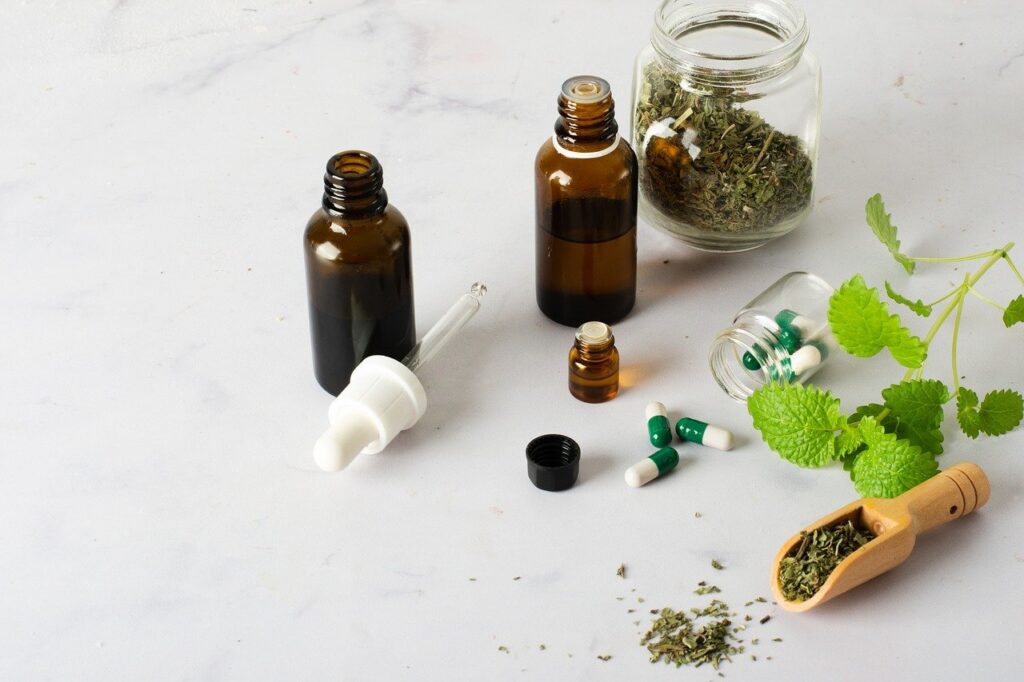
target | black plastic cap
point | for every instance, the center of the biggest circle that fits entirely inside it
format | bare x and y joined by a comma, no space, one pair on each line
553,462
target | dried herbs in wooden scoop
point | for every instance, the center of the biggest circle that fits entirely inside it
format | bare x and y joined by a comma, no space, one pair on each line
870,536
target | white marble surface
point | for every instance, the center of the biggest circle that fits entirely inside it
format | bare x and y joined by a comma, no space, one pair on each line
160,514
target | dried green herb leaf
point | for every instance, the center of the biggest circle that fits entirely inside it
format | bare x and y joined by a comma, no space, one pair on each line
733,172
919,307
881,224
810,563
706,637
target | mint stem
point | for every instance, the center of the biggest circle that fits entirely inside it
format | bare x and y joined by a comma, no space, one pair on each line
1013,267
969,281
952,292
958,259
956,329
985,298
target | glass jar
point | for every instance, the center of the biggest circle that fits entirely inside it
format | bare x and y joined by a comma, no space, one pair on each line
726,112
781,336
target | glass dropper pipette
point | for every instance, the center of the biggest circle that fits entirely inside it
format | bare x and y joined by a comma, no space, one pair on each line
446,328
384,397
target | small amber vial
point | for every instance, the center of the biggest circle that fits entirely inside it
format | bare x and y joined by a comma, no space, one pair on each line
594,364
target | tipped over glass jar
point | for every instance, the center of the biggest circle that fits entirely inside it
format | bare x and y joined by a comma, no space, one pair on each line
726,112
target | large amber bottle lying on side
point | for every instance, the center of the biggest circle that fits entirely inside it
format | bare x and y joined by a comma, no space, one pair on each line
586,179
358,272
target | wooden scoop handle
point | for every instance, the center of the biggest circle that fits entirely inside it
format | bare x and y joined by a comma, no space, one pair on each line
948,495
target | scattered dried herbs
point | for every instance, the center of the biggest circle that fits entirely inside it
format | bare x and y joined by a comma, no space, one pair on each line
622,571
706,589
676,638
712,164
697,636
805,570
716,565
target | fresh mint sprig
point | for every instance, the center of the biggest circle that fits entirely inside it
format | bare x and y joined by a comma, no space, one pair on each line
891,446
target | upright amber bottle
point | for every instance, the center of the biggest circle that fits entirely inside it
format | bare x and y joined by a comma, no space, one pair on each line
594,364
586,196
358,272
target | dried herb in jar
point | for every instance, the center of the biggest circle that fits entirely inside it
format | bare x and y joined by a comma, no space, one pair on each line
802,573
713,164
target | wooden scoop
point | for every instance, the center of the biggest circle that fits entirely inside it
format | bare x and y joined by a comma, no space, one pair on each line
897,522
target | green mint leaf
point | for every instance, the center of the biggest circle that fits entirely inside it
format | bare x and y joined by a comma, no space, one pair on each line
967,412
915,412
1000,412
862,325
849,461
1014,312
906,349
798,422
869,410
919,307
881,224
889,466
849,439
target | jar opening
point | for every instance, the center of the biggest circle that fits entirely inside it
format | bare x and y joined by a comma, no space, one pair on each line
738,36
726,359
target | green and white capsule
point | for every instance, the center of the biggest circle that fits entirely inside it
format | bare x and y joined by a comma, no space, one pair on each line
646,470
806,359
658,428
710,435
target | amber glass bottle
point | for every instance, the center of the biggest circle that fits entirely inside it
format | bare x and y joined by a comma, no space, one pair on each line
586,196
594,364
358,272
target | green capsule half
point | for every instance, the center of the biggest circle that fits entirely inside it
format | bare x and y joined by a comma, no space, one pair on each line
658,428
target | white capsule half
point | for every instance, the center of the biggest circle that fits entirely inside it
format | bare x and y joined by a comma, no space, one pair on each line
804,359
655,409
805,325
641,473
717,437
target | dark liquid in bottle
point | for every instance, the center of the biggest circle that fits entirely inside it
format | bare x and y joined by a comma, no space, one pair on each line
586,260
361,313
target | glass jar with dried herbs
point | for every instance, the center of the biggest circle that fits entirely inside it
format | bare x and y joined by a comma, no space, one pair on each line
726,111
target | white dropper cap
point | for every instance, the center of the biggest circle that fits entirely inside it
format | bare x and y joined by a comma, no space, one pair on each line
383,396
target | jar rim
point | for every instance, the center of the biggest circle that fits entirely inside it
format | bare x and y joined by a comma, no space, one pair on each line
785,21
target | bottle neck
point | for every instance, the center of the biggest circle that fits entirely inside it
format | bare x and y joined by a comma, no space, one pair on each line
354,185
586,115
595,352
